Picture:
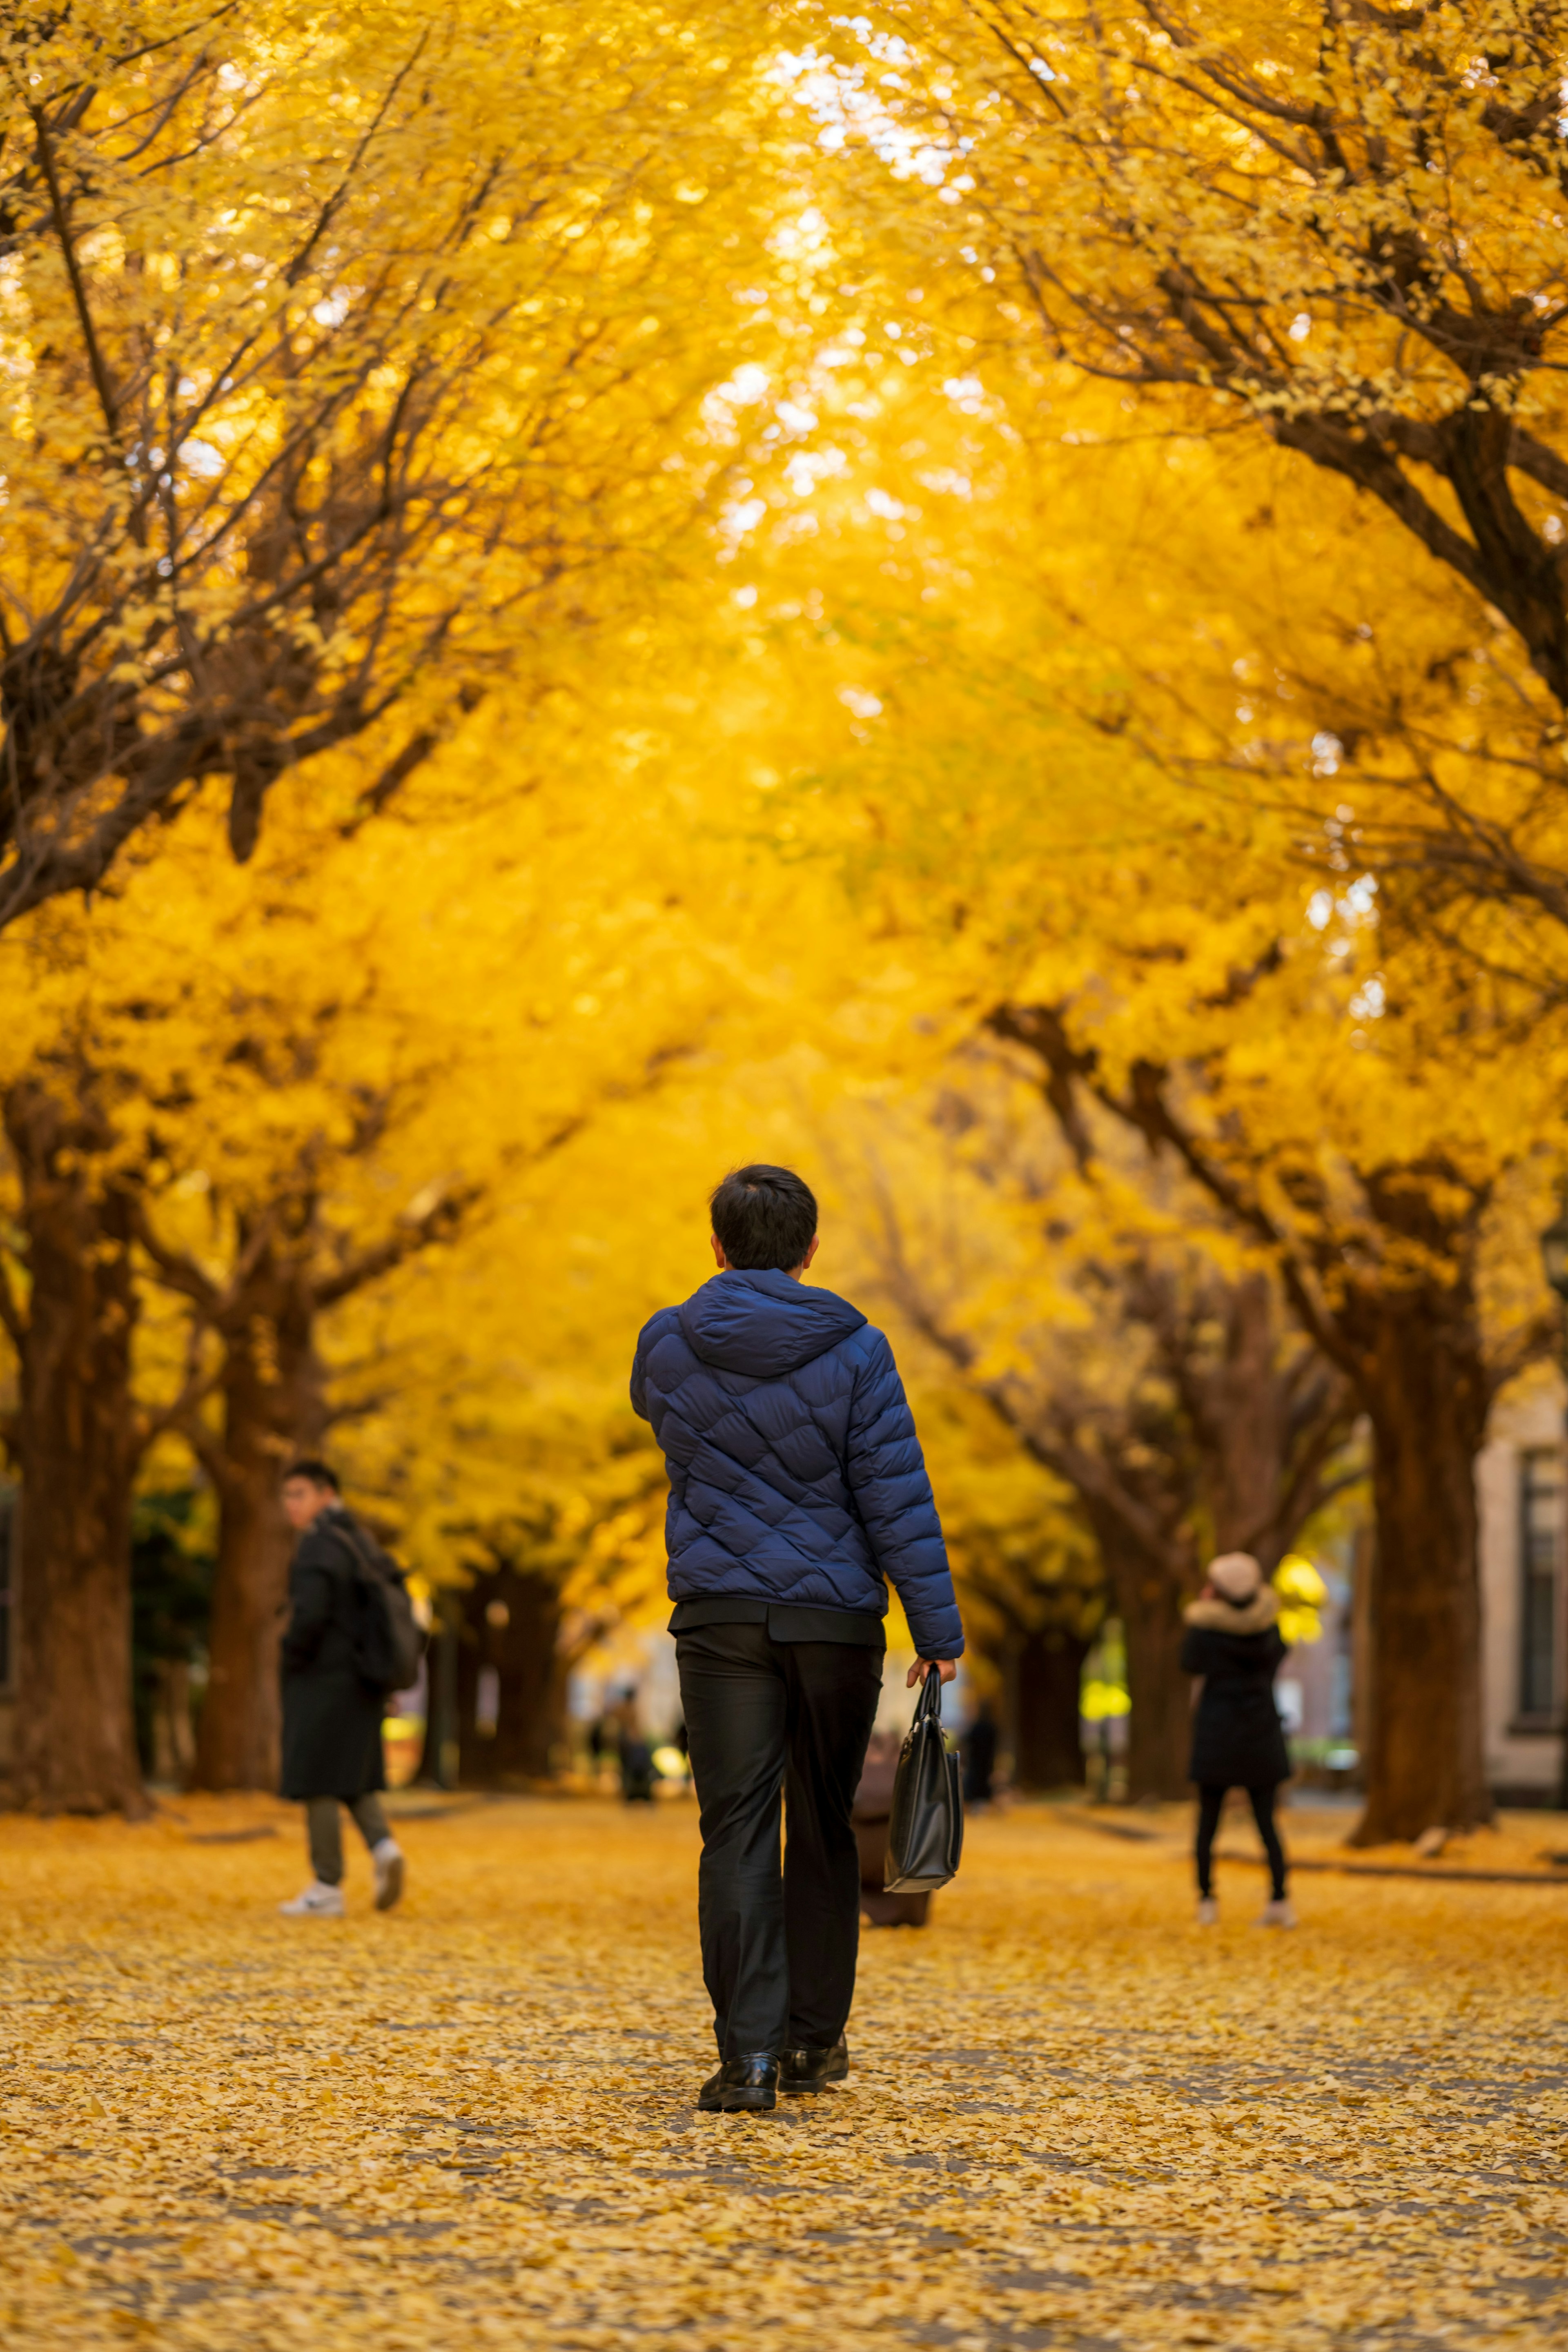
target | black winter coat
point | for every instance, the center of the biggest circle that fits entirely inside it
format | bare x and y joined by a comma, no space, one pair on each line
1239,1741
332,1719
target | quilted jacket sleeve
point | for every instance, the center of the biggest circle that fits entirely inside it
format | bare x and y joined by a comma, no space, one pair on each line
893,1494
646,1338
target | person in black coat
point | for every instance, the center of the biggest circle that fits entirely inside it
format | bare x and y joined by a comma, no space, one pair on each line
980,1756
331,1716
1233,1642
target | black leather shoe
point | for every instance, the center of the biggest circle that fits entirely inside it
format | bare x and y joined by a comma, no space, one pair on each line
808,2070
743,2087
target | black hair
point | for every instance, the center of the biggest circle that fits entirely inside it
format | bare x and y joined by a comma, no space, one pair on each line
763,1217
316,1472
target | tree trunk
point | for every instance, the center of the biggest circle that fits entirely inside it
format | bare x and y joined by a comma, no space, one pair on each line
1159,1728
1148,1589
1244,1435
520,1647
1048,1741
273,1408
1427,1392
76,1449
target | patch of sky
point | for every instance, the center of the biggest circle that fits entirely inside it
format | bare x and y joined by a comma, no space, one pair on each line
806,468
748,384
1355,903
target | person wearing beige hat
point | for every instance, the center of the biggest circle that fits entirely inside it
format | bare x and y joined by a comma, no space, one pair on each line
1233,1642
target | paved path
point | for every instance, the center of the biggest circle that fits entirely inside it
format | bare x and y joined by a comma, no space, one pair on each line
1075,2119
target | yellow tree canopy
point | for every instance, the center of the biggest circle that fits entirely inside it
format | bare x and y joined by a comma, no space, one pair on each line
347,359
1327,230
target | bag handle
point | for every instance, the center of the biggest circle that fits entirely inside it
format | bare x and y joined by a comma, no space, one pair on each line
928,1707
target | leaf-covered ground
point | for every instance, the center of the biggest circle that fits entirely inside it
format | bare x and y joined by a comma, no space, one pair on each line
1074,2117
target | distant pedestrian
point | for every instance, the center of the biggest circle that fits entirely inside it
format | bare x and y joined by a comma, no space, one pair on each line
332,1715
797,1489
1233,1642
979,1745
634,1751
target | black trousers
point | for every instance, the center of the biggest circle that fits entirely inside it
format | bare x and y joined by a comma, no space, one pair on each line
1211,1802
778,1946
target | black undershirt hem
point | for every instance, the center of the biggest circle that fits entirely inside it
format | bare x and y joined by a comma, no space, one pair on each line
785,1623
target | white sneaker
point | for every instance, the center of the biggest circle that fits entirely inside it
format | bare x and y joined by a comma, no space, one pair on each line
387,1858
1208,1911
318,1902
1277,1915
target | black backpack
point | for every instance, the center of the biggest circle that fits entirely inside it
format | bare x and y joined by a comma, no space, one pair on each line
388,1640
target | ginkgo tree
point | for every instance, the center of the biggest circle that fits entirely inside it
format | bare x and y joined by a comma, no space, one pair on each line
255,1095
1340,224
351,362
1190,790
1128,1348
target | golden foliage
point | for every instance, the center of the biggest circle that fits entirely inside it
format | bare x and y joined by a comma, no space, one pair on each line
472,2120
784,577
349,361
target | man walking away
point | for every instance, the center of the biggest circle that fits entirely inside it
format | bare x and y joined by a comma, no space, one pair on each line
797,1491
332,1715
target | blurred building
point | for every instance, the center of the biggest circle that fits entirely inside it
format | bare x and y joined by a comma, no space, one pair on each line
1519,1490
1519,1494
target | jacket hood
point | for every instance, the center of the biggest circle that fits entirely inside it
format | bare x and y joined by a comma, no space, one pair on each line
1220,1616
763,1322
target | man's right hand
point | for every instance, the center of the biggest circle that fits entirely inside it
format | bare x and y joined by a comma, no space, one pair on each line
946,1668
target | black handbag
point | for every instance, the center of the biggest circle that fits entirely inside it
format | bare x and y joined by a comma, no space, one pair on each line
925,1835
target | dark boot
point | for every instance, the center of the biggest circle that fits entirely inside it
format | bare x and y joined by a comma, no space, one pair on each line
808,2070
743,2087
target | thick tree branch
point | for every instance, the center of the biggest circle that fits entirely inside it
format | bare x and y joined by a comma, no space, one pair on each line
101,384
412,1233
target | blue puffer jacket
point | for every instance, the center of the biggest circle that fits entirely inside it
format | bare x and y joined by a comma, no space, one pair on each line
796,1475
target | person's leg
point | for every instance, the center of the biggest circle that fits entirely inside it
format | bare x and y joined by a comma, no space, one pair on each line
1263,1815
732,1696
385,1853
1211,1802
833,1692
326,1836
370,1819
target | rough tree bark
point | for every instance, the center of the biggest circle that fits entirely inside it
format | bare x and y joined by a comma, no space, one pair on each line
1428,1391
1237,1458
274,1407
1267,1419
1048,1733
1149,1589
522,1650
77,1446
1413,1351
286,1272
